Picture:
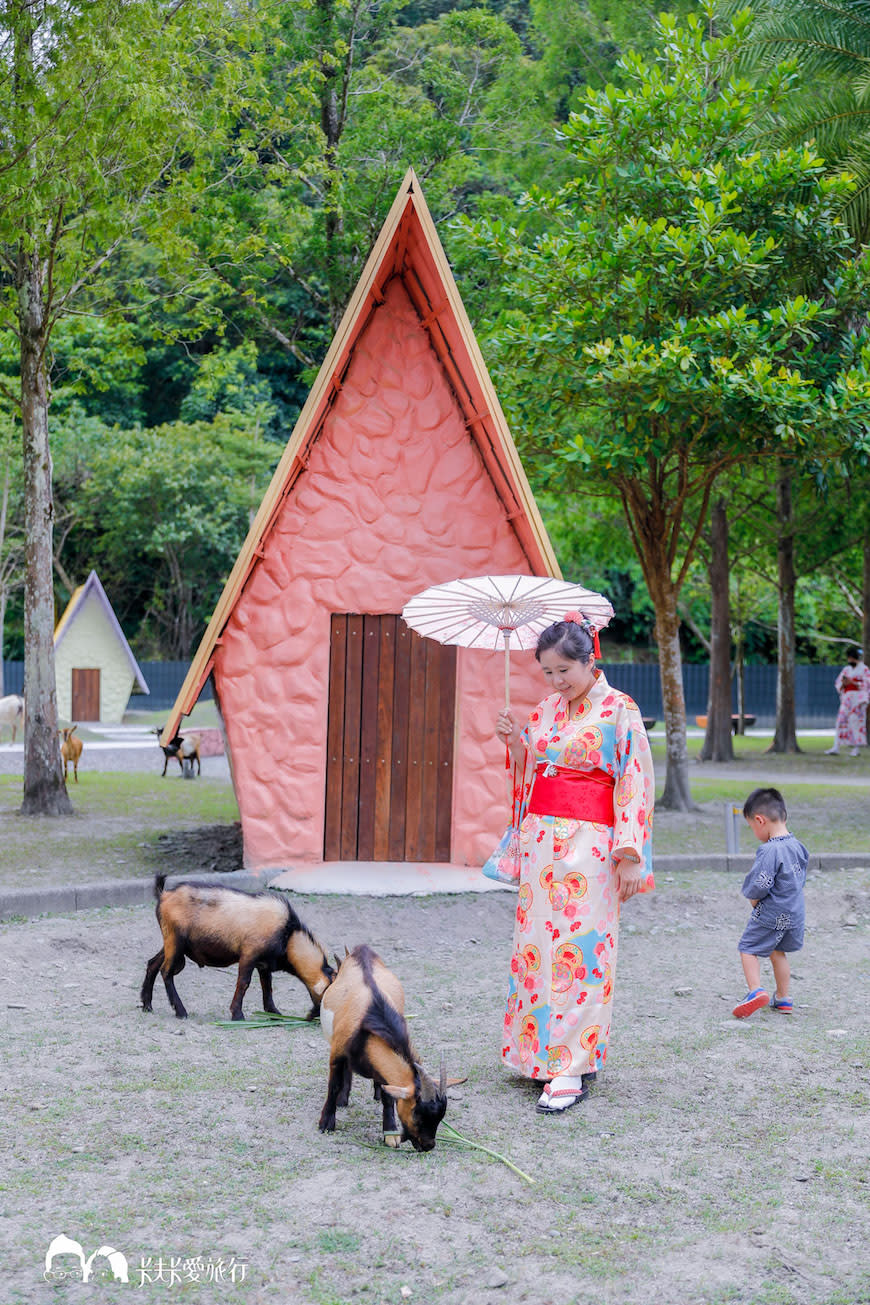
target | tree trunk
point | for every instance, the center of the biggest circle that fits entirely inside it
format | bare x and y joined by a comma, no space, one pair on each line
740,678
334,89
865,609
717,740
44,788
785,734
676,795
4,505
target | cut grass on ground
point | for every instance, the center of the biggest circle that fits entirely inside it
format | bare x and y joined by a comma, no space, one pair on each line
113,831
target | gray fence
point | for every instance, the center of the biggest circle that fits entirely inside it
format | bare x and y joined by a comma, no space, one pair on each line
814,689
815,697
164,679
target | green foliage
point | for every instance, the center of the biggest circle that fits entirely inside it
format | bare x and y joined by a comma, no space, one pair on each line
695,296
830,44
162,514
74,183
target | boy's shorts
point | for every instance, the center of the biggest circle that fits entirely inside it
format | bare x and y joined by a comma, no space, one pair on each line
760,939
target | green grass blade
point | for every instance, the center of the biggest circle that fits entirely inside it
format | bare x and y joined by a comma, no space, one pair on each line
455,1136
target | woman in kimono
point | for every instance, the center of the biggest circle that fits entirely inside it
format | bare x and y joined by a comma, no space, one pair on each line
585,847
853,686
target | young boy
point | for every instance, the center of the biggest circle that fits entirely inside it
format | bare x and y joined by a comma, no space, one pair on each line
775,887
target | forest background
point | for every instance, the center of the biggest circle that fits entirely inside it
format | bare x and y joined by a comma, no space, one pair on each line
179,365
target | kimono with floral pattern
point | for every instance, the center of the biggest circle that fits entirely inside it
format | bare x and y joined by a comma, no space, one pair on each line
853,686
567,921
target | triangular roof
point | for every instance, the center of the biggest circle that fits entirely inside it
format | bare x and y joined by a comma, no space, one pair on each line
408,245
92,587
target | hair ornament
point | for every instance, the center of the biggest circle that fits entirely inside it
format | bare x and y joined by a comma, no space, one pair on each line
577,618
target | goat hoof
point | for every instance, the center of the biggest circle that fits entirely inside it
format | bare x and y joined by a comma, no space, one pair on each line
327,1126
393,1139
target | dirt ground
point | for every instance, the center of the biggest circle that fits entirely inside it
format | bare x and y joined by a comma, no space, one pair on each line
717,1160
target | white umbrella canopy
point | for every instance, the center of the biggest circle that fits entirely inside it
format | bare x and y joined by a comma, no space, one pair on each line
495,611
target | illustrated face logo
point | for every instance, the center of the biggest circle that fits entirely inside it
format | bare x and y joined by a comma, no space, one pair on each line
63,1245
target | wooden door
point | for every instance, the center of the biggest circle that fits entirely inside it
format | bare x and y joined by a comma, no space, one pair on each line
85,694
389,766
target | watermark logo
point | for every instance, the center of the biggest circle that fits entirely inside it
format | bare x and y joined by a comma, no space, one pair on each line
63,1245
170,1270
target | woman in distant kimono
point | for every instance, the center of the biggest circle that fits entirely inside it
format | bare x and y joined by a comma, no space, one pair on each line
853,686
585,849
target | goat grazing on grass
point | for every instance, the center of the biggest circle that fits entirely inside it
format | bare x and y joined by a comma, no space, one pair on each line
362,1017
217,926
70,750
12,713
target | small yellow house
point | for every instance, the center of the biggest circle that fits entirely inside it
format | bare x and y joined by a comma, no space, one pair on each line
94,665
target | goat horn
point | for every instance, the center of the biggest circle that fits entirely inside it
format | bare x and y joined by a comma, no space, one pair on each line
443,1084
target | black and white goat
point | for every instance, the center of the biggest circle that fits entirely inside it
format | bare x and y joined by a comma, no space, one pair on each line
171,750
362,1017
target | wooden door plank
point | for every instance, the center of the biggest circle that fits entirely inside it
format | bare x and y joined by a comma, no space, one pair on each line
335,738
444,766
384,741
416,720
351,746
400,743
368,738
429,750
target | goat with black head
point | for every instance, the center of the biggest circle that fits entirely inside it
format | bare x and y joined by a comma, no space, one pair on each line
362,1017
216,926
172,750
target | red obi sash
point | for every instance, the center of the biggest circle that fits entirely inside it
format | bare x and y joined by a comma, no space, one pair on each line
573,794
850,685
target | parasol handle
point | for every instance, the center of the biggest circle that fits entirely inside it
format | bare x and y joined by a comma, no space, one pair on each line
507,669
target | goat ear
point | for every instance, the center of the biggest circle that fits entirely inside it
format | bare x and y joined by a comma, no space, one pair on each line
397,1093
454,1082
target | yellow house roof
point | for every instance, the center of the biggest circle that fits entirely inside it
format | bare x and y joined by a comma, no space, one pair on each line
78,598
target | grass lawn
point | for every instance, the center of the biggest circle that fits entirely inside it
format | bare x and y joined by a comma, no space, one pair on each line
120,817
114,830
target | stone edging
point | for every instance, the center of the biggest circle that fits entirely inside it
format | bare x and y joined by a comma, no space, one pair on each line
62,900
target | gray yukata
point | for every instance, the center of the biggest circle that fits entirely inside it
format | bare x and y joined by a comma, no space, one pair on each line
776,883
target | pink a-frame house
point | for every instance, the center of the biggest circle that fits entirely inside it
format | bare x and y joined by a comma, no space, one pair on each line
349,737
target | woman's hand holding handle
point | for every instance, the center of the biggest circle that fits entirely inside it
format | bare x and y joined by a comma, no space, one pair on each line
506,729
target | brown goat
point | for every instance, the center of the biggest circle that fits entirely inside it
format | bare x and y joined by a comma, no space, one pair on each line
217,926
362,1017
70,750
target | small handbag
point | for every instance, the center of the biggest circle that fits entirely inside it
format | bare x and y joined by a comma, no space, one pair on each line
503,864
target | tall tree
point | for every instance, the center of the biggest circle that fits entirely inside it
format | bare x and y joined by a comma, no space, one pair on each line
103,104
674,295
717,745
11,535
